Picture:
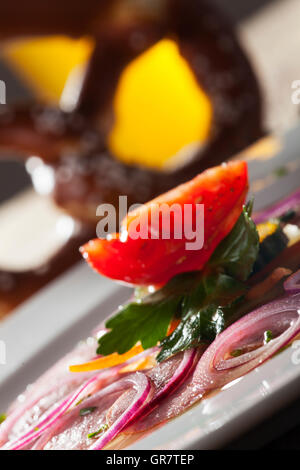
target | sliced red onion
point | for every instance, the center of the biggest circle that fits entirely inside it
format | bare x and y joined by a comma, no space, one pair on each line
50,419
292,284
94,400
19,410
279,208
182,372
281,317
217,366
142,385
133,359
55,414
137,381
57,378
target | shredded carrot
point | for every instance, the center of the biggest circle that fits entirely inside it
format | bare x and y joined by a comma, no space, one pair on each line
115,359
265,229
173,325
142,364
107,361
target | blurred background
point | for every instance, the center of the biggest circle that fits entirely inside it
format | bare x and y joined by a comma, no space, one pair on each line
268,29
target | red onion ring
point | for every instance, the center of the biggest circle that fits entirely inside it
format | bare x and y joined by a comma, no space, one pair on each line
184,368
217,367
182,372
142,384
138,381
281,317
292,283
96,400
50,419
16,414
38,428
279,208
13,417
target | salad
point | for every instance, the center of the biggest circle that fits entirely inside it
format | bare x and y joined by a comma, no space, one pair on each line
201,316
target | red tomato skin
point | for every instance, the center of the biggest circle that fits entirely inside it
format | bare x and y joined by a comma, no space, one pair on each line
221,189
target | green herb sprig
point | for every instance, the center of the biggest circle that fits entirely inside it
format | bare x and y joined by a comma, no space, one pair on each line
87,411
2,417
102,429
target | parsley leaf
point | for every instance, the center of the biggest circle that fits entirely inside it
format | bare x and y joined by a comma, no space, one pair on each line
204,313
238,251
2,418
146,321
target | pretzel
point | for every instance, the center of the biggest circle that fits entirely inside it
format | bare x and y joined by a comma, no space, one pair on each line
122,30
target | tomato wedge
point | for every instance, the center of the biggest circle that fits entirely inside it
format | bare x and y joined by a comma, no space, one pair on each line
153,259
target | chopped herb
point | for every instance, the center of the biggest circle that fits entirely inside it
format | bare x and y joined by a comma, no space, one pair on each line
87,411
236,353
280,171
238,251
82,399
204,313
288,215
267,336
2,418
102,429
203,300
